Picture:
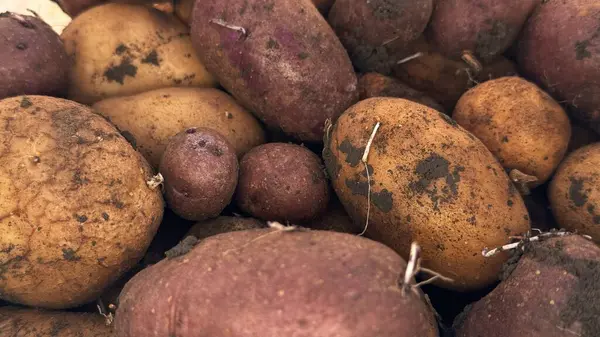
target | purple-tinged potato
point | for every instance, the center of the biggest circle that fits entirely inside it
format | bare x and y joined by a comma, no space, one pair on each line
484,28
364,27
200,170
560,49
552,290
29,322
279,59
33,60
273,283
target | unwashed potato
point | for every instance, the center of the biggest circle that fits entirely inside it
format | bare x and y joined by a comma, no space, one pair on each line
429,181
574,191
223,224
33,60
560,49
22,322
523,126
282,182
273,283
200,170
152,51
552,291
279,59
75,208
149,119
377,85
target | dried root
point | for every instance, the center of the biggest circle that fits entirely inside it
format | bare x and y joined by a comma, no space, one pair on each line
410,58
472,61
364,161
108,315
414,267
155,181
222,23
522,181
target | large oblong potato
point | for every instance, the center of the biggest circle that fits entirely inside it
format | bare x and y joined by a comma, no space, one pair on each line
121,49
431,182
149,119
75,209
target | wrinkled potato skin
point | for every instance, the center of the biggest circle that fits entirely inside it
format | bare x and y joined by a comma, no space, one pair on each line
20,322
75,210
329,285
559,48
33,60
520,124
533,300
223,224
151,51
574,192
291,71
149,119
432,182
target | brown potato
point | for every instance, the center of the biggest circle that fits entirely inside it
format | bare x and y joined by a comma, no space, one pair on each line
429,181
520,124
223,224
552,290
200,170
316,283
22,322
76,211
574,192
32,57
149,119
153,51
282,182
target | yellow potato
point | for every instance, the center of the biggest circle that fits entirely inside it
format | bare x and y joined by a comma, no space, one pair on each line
431,182
149,119
121,49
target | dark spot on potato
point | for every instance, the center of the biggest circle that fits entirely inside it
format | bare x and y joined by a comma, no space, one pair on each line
383,200
302,323
121,49
272,44
353,154
576,193
78,180
130,138
152,58
105,216
81,218
70,255
448,119
545,157
505,139
57,326
509,203
93,243
581,51
507,231
303,55
471,220
215,151
118,204
118,73
431,169
178,81
269,6
191,131
526,217
8,249
25,102
182,247
490,41
21,46
385,9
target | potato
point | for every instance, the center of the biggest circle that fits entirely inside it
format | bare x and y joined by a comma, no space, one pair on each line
552,291
364,26
483,28
149,119
22,322
574,191
153,52
291,76
200,170
223,224
520,124
33,58
377,85
429,181
315,283
335,218
560,49
76,211
282,182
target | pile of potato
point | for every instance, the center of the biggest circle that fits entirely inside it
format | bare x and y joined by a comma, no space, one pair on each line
301,168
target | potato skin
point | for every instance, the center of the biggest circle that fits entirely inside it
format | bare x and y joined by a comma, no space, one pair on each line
364,26
282,182
486,28
552,292
289,69
373,84
431,182
153,52
21,322
328,284
574,192
32,57
75,210
560,50
149,119
200,170
523,126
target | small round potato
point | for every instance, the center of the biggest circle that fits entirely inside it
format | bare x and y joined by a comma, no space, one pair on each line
520,124
574,192
282,182
200,170
33,60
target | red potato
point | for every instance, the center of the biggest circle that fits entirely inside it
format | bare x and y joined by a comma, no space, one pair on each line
560,49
